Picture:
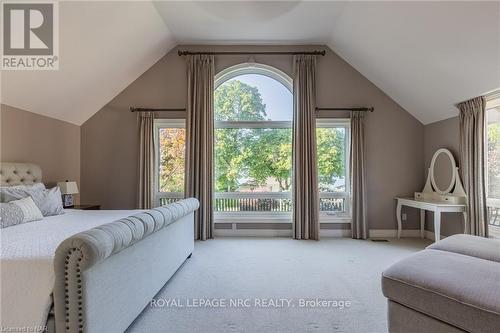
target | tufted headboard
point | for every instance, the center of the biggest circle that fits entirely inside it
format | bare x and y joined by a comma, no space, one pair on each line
12,174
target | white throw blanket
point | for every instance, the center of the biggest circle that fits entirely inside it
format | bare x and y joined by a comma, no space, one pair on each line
26,263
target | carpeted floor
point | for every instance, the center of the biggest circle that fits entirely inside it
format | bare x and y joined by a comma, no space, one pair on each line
271,278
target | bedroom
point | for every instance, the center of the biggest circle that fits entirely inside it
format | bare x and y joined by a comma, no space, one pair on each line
223,95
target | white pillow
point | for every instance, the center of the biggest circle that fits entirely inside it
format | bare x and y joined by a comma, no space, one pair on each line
29,209
10,193
47,200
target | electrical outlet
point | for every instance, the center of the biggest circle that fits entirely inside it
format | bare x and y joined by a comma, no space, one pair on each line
404,217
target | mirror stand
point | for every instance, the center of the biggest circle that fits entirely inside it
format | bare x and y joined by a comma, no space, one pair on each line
453,191
458,195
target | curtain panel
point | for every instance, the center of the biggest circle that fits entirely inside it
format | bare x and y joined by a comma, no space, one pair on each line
472,163
358,176
146,159
305,174
199,140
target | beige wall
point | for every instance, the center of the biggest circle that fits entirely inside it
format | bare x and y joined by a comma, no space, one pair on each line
50,143
394,138
443,134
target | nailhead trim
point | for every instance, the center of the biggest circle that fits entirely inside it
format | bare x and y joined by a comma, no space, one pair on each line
71,252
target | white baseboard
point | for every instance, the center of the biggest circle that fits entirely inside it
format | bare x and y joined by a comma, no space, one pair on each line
323,233
252,233
393,233
334,233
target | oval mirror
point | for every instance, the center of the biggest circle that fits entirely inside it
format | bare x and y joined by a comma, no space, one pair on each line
443,171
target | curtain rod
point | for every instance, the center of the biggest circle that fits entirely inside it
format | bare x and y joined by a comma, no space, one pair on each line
321,53
132,109
370,109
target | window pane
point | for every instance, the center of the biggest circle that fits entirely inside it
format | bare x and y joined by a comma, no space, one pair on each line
332,173
172,146
493,116
253,160
252,165
331,159
253,97
332,205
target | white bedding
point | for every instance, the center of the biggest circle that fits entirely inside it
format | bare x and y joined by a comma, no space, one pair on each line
26,269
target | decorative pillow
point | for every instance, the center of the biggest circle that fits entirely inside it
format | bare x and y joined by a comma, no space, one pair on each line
47,200
10,214
10,193
19,211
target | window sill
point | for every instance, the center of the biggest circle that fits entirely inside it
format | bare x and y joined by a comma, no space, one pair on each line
252,218
278,218
335,219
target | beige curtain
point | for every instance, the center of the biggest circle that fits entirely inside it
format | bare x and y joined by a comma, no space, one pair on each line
472,165
305,175
146,159
358,176
199,140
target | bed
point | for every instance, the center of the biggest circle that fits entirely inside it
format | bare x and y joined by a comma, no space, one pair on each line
88,271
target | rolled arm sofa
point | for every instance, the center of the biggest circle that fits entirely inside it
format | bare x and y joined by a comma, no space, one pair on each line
105,276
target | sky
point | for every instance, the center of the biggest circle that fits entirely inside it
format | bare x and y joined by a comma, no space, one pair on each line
278,99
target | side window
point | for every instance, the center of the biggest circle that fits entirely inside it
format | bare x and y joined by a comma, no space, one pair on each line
332,139
170,144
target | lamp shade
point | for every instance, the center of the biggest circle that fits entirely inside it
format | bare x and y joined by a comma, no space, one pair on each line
68,187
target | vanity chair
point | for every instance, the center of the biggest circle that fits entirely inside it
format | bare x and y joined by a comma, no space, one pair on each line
443,193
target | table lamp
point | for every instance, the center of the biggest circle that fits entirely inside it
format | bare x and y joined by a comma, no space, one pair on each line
67,190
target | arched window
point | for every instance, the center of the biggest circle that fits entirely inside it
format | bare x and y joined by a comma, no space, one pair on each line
253,92
253,140
253,151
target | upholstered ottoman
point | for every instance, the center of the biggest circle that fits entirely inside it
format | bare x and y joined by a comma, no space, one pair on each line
452,286
484,248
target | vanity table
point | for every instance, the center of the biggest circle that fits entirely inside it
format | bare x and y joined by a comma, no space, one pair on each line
443,193
437,207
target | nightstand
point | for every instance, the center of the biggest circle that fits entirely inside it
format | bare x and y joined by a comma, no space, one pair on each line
86,207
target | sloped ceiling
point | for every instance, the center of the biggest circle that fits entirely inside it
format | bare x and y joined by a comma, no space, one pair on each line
103,47
427,56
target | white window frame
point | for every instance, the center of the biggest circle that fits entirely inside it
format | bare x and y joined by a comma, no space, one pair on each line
492,102
344,217
242,217
159,124
252,217
325,217
253,68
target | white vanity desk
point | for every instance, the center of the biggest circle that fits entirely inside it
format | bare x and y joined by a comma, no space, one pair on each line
443,193
437,207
